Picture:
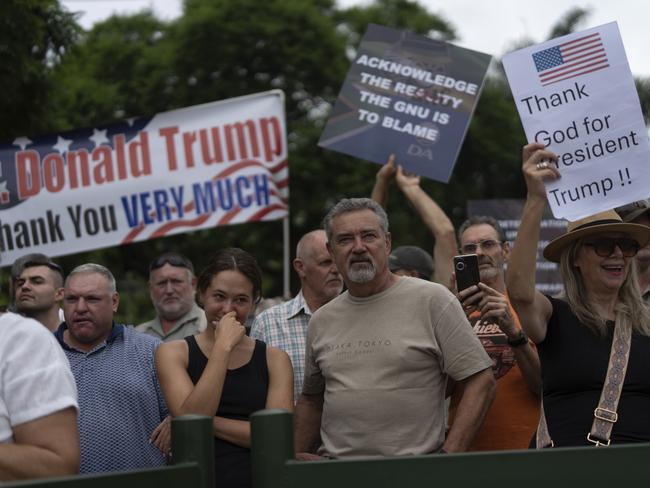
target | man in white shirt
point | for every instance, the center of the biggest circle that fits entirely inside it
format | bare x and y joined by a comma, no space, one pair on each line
38,403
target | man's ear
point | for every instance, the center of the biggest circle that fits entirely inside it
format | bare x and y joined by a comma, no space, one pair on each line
58,294
389,243
150,290
299,267
329,248
116,301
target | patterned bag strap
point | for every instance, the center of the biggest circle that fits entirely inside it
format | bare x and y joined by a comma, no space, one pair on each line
542,437
605,415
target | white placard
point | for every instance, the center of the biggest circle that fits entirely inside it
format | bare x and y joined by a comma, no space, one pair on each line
576,94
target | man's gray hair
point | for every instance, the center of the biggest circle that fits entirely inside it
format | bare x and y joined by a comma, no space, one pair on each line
353,205
480,220
95,268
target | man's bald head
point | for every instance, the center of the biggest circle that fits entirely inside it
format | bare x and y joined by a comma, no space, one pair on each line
319,278
309,242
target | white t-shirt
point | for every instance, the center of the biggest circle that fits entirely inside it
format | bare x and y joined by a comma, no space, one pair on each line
35,376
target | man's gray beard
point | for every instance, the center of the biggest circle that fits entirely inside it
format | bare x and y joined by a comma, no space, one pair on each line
362,274
490,275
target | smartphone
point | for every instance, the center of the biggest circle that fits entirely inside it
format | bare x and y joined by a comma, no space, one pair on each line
466,269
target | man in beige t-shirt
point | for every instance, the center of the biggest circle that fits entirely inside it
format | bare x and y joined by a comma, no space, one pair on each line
378,356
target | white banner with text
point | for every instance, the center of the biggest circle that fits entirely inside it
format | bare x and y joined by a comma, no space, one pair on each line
198,167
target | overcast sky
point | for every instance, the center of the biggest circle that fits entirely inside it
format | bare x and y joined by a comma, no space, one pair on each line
488,26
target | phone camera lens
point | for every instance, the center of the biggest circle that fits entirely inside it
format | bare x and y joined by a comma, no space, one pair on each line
460,266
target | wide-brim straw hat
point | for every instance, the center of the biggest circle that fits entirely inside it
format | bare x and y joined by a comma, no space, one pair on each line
599,223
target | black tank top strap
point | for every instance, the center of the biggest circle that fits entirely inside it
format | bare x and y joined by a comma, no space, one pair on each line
258,361
196,360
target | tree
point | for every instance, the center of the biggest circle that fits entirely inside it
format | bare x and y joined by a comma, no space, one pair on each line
137,65
34,36
119,69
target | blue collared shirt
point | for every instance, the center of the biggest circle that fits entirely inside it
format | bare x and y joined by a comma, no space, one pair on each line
120,401
285,326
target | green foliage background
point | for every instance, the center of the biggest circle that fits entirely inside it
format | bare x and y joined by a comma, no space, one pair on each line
55,76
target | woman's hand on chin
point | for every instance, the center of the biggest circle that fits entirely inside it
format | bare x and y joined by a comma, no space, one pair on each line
228,332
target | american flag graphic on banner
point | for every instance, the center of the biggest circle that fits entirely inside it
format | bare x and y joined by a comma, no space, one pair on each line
199,167
571,59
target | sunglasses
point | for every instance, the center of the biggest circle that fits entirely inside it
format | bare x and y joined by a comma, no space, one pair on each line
171,259
604,247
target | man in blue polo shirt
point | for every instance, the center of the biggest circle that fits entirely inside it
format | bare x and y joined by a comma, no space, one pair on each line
120,401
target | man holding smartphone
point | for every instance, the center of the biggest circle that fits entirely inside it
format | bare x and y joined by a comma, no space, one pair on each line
511,421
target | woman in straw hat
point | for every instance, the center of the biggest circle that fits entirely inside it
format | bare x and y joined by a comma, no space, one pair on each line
574,334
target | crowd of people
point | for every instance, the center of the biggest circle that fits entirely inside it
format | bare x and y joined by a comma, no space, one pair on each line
379,354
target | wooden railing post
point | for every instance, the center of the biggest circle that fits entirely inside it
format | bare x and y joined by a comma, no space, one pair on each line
272,446
193,441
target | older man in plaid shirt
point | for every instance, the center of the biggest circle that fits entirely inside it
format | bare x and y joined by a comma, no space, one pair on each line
285,325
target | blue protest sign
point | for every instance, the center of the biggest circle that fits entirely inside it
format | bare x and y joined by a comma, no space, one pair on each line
409,95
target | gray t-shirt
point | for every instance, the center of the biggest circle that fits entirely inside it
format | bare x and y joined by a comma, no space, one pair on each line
382,363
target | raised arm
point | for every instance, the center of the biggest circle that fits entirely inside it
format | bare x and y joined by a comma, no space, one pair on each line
44,447
437,222
533,308
382,181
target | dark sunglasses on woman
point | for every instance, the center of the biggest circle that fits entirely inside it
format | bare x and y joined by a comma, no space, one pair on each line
604,246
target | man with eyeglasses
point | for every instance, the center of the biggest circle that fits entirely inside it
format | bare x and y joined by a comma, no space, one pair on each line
512,418
639,213
172,287
37,285
378,356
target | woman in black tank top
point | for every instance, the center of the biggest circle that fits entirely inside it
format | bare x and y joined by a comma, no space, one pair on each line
574,334
221,371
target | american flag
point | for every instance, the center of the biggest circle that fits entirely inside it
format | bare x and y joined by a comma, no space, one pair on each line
570,59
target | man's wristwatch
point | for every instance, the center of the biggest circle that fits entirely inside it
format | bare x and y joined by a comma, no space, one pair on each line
519,340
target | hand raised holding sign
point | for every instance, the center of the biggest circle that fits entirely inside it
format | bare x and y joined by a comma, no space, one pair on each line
405,179
537,169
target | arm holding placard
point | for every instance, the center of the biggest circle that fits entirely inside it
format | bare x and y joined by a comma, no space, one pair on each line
384,177
436,221
533,308
429,211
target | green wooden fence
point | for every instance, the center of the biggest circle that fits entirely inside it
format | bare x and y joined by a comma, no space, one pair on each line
193,449
591,467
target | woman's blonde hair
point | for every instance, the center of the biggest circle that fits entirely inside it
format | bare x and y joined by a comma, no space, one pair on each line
631,311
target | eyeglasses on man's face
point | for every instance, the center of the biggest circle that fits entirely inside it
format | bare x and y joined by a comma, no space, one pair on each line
604,246
486,245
